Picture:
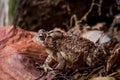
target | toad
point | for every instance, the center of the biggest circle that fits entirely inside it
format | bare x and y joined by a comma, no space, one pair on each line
64,48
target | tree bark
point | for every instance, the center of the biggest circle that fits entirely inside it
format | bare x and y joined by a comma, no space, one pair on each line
4,8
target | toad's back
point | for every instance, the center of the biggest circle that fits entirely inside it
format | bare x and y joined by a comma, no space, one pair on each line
71,47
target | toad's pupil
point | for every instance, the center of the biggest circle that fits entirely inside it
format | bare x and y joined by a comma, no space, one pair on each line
41,37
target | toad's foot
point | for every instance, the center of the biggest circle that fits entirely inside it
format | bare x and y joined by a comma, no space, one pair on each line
46,67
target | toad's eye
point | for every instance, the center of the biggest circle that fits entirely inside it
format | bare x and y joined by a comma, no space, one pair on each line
41,37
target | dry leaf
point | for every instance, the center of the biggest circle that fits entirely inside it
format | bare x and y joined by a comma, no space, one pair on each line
18,53
103,78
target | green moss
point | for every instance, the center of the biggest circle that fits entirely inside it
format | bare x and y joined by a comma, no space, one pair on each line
118,8
12,5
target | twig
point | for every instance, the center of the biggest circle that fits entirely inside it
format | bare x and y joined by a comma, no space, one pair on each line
61,76
94,71
91,7
99,7
44,73
73,17
85,16
112,74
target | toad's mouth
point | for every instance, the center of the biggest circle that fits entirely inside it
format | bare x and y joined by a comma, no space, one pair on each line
38,41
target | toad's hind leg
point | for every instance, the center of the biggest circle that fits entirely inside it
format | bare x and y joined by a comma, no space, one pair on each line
61,62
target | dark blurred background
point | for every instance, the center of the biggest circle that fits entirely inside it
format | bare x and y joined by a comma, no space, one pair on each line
47,14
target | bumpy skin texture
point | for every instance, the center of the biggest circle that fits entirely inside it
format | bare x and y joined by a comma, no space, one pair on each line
63,48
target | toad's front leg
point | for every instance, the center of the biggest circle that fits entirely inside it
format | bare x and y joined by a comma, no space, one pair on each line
46,66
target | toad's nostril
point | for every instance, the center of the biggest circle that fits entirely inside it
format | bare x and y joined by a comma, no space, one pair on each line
45,43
